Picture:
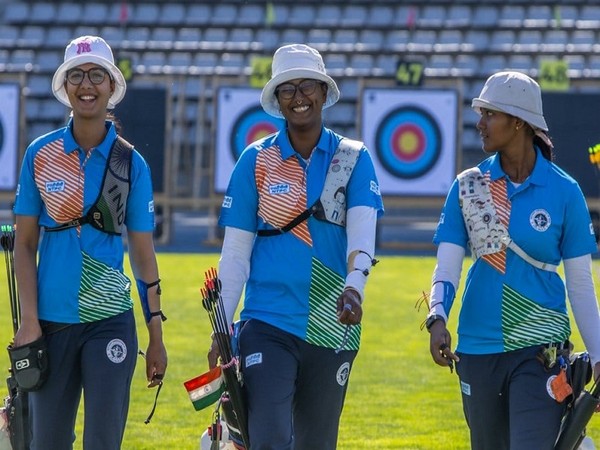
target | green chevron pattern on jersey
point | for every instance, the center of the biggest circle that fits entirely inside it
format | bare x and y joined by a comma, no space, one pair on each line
525,323
104,292
323,328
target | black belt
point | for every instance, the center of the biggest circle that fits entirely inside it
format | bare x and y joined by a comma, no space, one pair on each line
53,327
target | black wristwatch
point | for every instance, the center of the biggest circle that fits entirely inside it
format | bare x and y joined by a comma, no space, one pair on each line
432,319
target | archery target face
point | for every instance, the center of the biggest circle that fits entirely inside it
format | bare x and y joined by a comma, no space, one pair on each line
241,121
411,136
9,132
252,124
408,142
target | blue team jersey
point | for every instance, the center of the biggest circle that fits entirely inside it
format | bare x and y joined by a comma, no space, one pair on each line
296,277
508,303
80,270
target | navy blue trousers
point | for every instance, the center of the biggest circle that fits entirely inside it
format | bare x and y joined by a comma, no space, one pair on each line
295,390
507,402
97,358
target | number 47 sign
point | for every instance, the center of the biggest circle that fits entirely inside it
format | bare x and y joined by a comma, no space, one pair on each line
409,73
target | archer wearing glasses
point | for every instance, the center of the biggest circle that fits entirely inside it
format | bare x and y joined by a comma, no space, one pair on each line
96,75
301,332
288,91
83,311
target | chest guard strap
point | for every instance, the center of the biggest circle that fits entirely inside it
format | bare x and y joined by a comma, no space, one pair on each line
107,214
487,233
331,206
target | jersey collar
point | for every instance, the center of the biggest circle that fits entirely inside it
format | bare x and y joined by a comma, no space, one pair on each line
70,145
287,151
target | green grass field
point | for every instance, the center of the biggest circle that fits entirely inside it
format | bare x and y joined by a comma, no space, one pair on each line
397,398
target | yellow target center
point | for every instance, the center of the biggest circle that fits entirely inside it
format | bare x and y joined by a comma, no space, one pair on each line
409,143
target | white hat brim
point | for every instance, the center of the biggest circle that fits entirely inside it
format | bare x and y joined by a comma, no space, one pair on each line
268,99
535,120
58,81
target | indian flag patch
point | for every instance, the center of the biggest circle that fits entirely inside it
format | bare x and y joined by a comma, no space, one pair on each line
205,389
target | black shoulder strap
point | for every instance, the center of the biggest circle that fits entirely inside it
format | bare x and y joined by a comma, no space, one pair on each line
100,216
295,222
347,151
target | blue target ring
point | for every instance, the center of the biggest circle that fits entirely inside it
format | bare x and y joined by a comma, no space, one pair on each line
408,142
252,124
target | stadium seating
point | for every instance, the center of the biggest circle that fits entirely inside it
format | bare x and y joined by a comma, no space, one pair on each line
198,45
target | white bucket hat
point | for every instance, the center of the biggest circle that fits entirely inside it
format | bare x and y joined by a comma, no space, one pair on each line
88,49
289,63
513,93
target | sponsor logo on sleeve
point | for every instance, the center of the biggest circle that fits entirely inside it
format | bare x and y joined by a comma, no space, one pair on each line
375,188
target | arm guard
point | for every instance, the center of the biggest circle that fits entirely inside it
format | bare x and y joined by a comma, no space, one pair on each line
142,288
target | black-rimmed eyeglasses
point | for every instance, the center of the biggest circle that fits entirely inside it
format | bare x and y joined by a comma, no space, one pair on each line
287,91
96,75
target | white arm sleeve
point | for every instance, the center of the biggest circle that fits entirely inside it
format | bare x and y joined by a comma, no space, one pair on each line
582,296
234,267
361,226
448,268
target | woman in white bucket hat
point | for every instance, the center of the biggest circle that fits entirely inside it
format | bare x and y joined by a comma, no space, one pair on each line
520,215
304,269
85,186
89,50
